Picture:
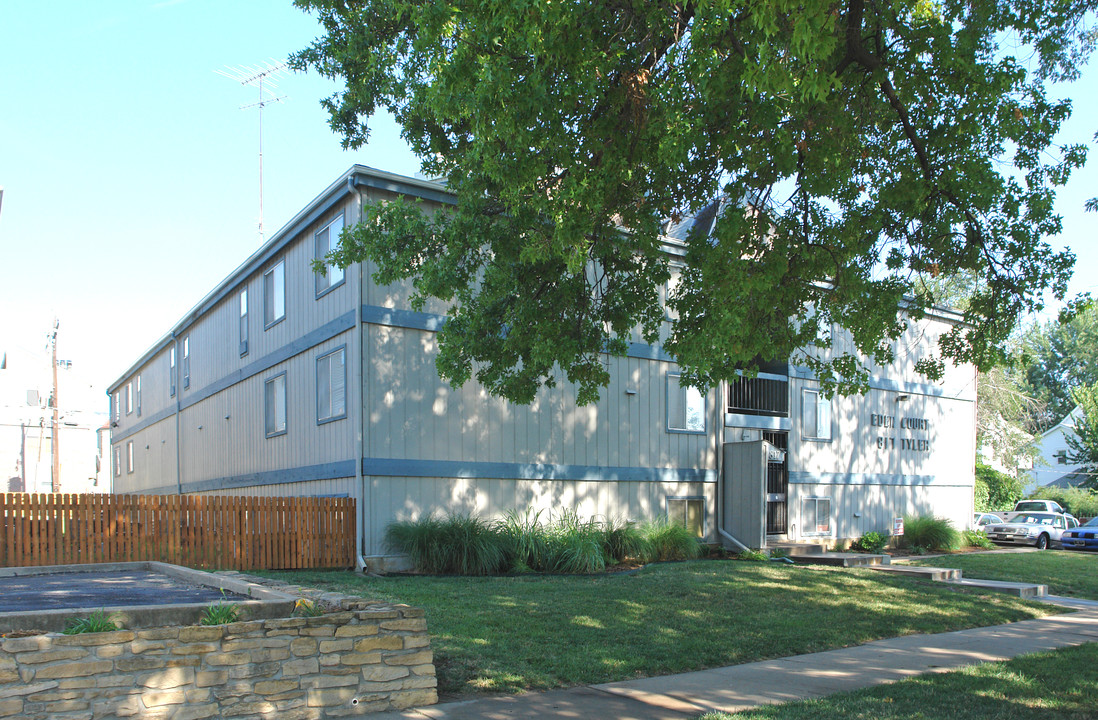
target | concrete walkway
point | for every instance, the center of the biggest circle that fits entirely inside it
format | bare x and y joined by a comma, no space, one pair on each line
741,687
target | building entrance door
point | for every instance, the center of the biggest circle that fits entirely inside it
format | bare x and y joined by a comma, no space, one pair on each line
777,484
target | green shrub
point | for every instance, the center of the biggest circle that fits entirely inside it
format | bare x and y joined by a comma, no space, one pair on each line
976,538
753,556
995,490
524,540
1080,502
98,621
670,541
871,542
931,533
220,613
457,544
624,541
574,545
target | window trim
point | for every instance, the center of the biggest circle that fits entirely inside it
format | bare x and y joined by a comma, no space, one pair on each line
816,501
327,271
129,457
242,308
688,499
804,415
343,415
285,403
268,324
667,407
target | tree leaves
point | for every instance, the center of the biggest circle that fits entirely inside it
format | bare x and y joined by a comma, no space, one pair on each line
855,147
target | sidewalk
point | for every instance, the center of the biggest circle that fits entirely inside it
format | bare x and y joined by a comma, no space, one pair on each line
740,687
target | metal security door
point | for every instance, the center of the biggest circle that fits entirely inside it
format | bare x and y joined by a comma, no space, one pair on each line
777,485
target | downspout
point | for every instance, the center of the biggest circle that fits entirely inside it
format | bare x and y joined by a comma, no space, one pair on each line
178,421
360,415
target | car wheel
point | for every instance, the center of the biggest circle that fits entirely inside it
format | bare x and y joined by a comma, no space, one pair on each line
1042,542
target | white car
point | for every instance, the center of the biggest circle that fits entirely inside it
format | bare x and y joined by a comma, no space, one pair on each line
981,519
1040,529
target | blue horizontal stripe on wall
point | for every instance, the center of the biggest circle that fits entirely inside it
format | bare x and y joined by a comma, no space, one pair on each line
398,467
391,317
809,478
148,421
308,341
326,471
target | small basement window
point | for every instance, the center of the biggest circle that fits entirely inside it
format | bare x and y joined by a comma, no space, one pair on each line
688,512
816,516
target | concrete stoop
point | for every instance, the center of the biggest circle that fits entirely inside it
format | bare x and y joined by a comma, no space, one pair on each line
843,559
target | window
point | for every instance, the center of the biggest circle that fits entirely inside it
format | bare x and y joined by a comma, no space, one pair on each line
116,407
129,456
685,407
137,390
274,394
672,285
688,512
117,461
129,398
816,516
274,294
816,416
244,321
1061,457
171,371
327,240
186,362
331,384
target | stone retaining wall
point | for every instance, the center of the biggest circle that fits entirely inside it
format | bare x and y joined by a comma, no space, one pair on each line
367,657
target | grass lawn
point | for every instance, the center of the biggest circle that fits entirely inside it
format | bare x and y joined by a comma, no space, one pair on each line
1066,572
1060,684
535,632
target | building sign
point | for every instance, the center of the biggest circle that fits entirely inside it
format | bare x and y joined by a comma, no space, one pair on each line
897,526
900,432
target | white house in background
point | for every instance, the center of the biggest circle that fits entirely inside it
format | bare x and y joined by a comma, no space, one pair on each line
1051,467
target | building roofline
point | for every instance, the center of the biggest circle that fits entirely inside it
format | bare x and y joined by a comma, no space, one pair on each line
356,176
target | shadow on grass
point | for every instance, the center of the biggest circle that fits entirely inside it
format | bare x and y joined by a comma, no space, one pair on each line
530,633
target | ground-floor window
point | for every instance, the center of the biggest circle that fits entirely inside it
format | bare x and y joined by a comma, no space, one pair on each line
688,512
816,516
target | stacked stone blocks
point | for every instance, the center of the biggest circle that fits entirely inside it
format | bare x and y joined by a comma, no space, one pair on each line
367,657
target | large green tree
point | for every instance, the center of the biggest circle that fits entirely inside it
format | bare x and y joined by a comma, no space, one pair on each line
854,146
1084,441
1055,359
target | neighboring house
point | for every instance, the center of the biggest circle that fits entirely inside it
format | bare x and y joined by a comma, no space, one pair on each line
283,381
1052,466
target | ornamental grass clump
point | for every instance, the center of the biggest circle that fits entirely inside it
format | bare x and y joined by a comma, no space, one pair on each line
670,541
457,544
623,541
976,538
931,533
98,621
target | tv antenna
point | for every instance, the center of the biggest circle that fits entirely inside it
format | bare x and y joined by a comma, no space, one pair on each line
263,77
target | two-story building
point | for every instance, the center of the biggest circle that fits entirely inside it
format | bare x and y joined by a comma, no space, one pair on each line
285,381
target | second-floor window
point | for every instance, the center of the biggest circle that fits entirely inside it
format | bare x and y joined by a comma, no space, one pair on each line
137,392
327,240
274,405
816,416
274,294
186,362
171,371
685,407
129,398
331,384
244,321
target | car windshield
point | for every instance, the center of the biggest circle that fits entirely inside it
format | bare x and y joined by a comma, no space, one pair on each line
1035,519
1093,522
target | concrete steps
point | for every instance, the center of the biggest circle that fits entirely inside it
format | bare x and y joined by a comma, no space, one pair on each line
953,576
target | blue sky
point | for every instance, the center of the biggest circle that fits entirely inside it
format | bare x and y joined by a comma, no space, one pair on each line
130,172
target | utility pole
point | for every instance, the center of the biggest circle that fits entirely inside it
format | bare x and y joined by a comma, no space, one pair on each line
55,444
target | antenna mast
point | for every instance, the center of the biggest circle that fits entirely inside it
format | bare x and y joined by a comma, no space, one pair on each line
262,77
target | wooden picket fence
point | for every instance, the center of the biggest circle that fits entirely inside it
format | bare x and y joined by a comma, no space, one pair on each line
199,531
